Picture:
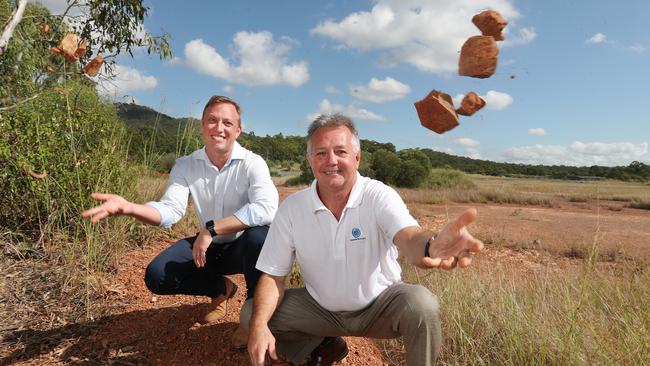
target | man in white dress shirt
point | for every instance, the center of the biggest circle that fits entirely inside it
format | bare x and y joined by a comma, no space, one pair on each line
235,200
345,231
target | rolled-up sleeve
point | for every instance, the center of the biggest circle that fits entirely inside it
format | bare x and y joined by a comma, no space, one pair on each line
173,203
278,251
262,196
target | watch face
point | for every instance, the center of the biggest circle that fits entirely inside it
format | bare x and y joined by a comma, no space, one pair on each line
209,225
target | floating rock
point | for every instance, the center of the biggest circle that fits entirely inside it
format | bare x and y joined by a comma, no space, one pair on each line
491,23
478,57
436,112
471,103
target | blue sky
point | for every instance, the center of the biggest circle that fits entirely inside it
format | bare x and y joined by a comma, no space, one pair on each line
571,86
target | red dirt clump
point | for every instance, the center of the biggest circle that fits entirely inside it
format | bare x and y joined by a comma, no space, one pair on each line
436,112
491,23
470,104
478,57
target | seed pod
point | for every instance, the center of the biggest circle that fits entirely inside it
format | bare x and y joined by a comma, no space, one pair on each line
470,104
478,57
436,112
69,46
81,49
491,23
93,66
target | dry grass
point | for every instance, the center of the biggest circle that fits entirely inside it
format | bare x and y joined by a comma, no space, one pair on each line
493,315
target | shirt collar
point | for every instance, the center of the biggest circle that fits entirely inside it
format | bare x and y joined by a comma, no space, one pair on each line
353,201
238,153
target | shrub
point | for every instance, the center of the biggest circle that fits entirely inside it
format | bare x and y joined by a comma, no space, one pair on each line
55,151
448,178
386,166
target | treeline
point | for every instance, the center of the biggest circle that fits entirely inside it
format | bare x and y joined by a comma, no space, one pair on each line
155,133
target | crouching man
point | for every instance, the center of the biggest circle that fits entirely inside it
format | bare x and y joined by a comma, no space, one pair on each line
235,201
345,232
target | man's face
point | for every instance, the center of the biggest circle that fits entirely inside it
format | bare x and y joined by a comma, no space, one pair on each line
333,158
220,127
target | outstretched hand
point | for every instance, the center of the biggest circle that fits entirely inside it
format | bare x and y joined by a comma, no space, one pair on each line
113,205
454,245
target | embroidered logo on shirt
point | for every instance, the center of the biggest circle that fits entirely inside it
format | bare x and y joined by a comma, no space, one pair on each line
356,234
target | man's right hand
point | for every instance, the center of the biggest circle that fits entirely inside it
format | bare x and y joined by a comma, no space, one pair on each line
261,340
113,205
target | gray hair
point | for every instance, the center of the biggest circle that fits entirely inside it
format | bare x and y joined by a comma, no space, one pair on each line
333,120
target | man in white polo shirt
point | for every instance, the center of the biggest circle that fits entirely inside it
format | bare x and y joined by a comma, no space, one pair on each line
345,232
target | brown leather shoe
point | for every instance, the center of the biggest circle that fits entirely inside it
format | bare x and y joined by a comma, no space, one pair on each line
331,349
219,304
239,340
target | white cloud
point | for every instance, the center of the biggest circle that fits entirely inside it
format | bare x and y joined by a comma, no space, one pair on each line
350,110
623,149
262,60
496,100
228,89
175,61
125,81
597,38
467,142
537,132
457,99
523,36
330,89
379,91
423,33
636,48
579,154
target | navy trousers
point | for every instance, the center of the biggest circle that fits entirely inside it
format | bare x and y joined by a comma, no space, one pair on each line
173,271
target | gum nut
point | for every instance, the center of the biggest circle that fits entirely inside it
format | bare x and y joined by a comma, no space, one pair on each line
436,112
93,66
81,49
470,104
478,57
69,46
491,23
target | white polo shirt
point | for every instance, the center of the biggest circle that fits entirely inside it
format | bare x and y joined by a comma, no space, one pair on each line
345,264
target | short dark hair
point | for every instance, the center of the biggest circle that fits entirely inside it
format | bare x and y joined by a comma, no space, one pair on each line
333,120
217,99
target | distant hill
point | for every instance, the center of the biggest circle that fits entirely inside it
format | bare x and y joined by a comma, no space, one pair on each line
157,133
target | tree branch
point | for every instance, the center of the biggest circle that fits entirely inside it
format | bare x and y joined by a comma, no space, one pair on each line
8,31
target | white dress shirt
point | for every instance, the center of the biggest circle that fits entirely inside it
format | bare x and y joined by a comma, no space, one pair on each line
243,188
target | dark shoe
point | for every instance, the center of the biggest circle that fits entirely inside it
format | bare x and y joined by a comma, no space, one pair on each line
331,349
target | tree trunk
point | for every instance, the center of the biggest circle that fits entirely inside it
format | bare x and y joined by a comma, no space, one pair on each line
15,18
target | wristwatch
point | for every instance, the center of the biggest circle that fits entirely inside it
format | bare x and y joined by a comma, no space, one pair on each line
210,227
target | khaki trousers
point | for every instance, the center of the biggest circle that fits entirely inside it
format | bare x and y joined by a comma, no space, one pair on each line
299,324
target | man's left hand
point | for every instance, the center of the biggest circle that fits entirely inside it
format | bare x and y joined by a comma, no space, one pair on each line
454,245
200,247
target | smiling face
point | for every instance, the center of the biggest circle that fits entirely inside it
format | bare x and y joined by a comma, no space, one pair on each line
220,127
333,159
